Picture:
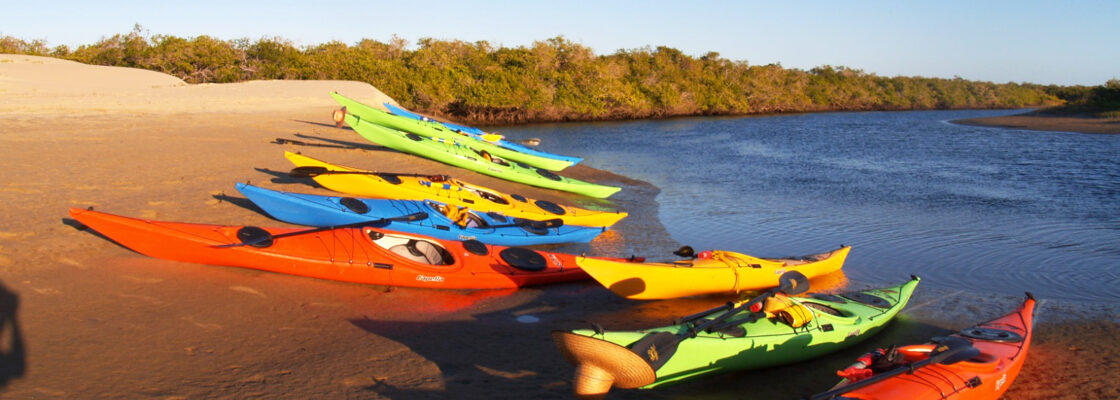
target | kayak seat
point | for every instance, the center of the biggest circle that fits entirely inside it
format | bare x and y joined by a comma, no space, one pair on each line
423,252
491,197
790,312
461,216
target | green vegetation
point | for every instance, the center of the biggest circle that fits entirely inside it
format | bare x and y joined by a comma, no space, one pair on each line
1098,101
554,79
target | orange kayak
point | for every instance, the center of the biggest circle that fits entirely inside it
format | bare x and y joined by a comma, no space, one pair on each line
360,254
1002,346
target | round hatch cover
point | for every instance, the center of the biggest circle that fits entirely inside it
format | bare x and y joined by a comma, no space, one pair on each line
829,297
476,247
550,207
864,298
354,205
992,334
254,236
524,259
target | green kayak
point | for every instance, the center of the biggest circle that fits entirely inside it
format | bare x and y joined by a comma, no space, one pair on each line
437,130
457,154
748,340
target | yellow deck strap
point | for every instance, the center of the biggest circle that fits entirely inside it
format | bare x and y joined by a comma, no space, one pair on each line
735,261
744,258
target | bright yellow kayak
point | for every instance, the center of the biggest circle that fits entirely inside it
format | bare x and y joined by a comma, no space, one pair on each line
451,191
721,272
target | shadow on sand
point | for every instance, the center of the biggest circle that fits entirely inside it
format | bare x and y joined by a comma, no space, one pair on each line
285,178
241,202
494,356
346,127
329,143
13,360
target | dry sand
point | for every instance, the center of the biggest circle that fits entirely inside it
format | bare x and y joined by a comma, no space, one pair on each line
85,318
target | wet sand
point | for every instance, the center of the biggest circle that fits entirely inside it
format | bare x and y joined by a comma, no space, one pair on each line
1036,121
86,318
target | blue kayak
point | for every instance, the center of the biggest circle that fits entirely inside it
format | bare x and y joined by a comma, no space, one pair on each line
478,134
492,228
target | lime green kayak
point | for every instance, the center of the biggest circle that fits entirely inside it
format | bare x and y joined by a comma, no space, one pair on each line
437,130
749,341
457,154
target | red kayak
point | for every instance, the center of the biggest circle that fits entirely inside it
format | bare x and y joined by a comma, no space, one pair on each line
360,254
976,363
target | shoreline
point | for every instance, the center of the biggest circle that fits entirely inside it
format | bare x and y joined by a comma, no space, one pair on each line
98,320
499,122
1036,121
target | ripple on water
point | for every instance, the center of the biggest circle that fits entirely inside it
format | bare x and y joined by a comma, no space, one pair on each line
966,208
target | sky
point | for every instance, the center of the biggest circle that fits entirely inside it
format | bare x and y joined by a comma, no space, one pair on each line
1044,42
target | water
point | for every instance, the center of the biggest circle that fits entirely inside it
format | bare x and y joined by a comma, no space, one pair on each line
968,208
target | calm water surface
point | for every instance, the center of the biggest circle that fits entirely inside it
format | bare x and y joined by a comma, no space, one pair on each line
969,208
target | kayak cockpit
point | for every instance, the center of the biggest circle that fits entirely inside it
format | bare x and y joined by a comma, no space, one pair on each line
413,249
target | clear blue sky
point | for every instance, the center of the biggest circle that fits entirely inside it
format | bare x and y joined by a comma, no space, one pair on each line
1045,42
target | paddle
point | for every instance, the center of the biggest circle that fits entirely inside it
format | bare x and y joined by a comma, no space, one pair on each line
656,349
260,236
313,171
299,143
731,305
951,350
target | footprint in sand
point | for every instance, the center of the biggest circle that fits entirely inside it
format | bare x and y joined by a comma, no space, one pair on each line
16,235
248,290
203,325
71,262
149,299
49,392
124,185
47,291
20,190
138,279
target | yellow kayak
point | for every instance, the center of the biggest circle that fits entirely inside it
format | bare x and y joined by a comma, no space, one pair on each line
721,272
451,191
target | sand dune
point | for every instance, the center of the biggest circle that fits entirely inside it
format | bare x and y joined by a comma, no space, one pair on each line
31,84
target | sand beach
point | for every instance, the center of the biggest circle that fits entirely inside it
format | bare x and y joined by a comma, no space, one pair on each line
1035,121
83,317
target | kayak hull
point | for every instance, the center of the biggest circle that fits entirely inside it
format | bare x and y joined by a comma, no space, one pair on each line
343,254
478,134
453,191
315,210
986,376
764,342
648,281
463,156
437,130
